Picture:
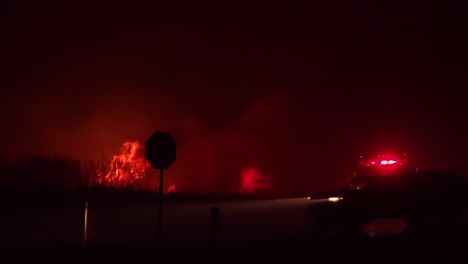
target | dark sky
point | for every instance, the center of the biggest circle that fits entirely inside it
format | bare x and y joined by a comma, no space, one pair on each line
297,89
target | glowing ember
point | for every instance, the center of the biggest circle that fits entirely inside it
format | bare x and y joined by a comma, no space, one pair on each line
252,180
128,169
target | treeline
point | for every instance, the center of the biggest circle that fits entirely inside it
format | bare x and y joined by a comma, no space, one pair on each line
61,173
41,172
44,181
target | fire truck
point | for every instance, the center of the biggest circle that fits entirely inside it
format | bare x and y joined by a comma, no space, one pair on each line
388,186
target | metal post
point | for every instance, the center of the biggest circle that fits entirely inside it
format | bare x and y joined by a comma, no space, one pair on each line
161,191
85,226
215,214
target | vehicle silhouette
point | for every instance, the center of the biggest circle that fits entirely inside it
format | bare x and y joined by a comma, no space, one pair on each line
413,196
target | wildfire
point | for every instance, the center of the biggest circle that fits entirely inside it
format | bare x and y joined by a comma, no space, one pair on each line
128,169
252,179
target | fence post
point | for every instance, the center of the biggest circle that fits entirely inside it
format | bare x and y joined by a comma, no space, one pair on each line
215,214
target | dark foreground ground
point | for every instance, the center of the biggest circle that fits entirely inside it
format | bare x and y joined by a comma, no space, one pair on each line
427,247
251,231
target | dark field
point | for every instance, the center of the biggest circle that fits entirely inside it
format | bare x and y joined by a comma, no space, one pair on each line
250,230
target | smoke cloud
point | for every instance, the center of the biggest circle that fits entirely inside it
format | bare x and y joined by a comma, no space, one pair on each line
295,91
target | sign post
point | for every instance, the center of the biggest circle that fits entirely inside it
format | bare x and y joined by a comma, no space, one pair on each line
215,213
160,152
160,207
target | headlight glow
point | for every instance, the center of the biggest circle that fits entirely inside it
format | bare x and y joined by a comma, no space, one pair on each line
335,199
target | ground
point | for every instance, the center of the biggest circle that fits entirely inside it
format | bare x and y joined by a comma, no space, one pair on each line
274,229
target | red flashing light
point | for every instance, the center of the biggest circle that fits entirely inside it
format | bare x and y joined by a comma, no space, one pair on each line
382,164
383,159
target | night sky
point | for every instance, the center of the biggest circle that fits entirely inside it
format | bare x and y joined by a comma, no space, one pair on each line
297,89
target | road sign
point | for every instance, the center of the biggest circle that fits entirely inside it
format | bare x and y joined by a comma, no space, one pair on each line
160,150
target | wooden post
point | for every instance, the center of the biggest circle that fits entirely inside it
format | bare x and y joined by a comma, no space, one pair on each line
215,214
160,214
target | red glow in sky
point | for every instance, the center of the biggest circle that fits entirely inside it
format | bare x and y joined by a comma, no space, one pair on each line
237,92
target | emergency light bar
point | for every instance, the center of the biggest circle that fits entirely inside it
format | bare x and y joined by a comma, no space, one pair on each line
387,162
383,160
382,165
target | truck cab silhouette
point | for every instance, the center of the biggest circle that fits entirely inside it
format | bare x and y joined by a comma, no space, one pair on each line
411,195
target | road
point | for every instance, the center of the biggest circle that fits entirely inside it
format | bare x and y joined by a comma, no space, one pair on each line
260,229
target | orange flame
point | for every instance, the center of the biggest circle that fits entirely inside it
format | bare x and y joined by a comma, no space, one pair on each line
252,179
128,169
